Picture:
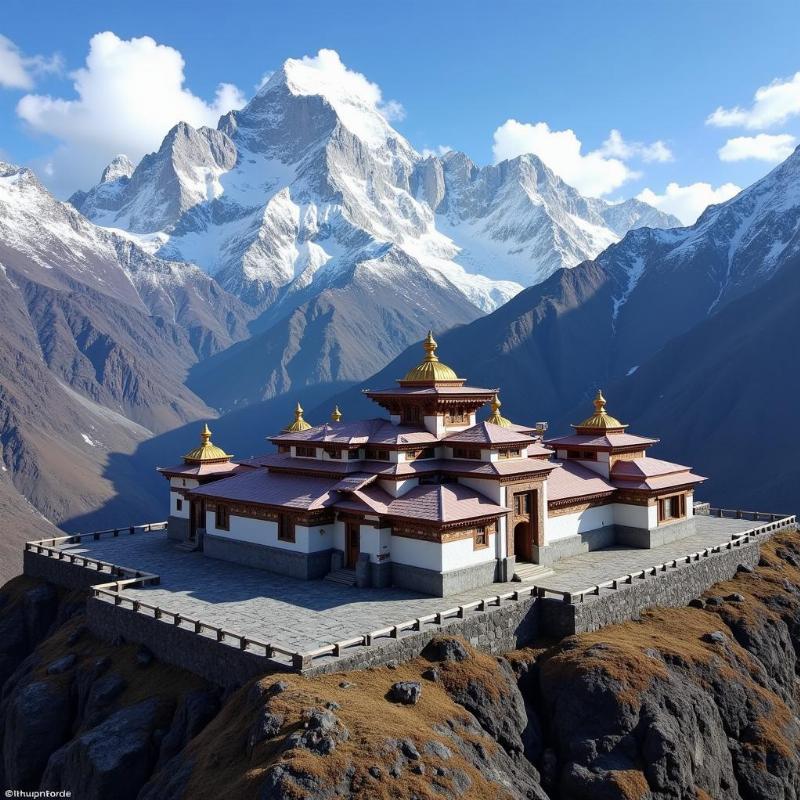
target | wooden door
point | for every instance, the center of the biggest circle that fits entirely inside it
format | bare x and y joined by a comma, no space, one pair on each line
523,541
352,544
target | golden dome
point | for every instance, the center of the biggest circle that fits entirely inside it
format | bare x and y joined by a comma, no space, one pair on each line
207,452
600,420
431,370
336,415
495,418
299,423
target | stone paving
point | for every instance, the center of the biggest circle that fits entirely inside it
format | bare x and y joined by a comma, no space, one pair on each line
302,615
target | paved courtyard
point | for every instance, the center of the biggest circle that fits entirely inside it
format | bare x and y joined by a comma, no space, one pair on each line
302,615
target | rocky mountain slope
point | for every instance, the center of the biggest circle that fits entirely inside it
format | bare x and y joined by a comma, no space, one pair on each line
727,285
96,341
690,702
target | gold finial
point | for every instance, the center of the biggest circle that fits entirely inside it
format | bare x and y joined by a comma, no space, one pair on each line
495,417
207,451
299,423
429,346
430,370
336,415
601,419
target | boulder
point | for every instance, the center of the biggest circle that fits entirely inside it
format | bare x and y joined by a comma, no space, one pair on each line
194,712
444,648
405,692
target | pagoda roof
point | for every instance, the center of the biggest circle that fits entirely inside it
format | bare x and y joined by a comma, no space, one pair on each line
488,433
376,431
601,441
441,503
296,492
432,391
570,480
652,474
202,470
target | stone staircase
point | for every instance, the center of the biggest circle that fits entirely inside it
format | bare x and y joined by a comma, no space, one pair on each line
345,577
188,546
530,573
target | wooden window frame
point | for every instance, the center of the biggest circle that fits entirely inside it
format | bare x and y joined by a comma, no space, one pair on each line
308,452
222,517
662,508
480,537
179,504
286,532
467,453
376,454
353,455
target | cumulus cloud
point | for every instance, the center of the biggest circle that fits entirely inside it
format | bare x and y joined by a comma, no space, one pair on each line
616,147
688,202
772,105
128,95
18,71
762,147
595,173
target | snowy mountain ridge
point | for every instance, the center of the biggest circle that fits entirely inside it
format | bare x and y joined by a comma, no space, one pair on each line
302,188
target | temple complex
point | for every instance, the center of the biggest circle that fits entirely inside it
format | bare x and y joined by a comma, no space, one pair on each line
428,497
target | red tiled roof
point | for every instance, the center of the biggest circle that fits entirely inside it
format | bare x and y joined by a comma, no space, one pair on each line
652,474
488,433
202,470
570,480
265,488
354,482
604,441
369,431
434,503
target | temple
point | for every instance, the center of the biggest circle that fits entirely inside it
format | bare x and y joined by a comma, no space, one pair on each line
429,498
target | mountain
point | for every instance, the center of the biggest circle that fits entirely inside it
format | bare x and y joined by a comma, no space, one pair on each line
96,341
666,317
519,220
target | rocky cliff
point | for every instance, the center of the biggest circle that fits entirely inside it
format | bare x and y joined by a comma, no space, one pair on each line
697,702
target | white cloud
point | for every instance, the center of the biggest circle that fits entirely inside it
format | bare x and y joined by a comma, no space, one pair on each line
596,173
18,71
762,147
440,150
772,105
616,147
688,202
325,74
129,94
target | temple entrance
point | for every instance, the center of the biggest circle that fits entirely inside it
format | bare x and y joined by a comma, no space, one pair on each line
523,541
352,544
197,518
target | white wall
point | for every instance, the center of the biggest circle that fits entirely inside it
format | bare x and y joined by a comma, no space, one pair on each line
494,490
261,531
397,488
565,525
416,553
462,553
173,506
376,541
632,516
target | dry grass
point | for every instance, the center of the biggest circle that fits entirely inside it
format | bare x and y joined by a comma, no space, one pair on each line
223,767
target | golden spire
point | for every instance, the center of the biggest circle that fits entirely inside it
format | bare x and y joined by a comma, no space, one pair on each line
336,415
299,423
430,370
600,420
496,418
207,452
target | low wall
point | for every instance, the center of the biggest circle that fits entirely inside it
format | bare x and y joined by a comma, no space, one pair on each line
62,573
674,587
203,655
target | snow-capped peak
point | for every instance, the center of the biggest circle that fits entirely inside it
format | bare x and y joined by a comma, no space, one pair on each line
119,167
357,101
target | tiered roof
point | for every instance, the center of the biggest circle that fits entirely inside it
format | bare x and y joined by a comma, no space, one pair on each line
652,474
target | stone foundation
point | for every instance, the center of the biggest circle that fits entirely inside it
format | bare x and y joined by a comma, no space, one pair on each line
440,584
306,566
663,534
178,528
574,545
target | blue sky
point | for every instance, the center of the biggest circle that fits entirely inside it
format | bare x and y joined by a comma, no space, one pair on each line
653,71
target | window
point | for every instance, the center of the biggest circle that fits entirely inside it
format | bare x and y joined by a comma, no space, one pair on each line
522,503
179,504
456,416
510,453
584,455
377,454
353,455
411,414
425,452
285,528
467,452
302,451
222,521
481,537
284,448
670,508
